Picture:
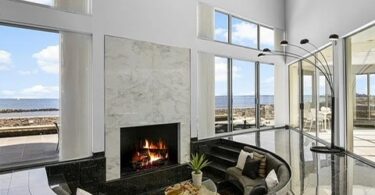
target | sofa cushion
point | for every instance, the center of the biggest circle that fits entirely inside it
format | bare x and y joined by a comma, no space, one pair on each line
245,181
262,166
251,168
242,159
272,163
271,179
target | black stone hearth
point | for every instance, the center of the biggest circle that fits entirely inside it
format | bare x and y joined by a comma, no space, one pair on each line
146,148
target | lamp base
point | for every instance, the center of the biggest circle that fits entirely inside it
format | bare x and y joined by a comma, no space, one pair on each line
326,149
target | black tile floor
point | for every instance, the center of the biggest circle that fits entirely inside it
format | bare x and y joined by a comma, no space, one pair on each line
312,173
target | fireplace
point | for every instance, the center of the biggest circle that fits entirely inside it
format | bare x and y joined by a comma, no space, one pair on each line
146,148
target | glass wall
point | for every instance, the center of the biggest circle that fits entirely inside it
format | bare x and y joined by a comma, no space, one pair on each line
236,92
266,94
221,95
29,94
360,69
314,94
243,87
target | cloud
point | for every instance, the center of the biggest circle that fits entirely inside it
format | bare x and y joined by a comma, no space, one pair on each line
28,72
36,91
44,2
5,60
221,34
221,69
244,33
267,37
48,59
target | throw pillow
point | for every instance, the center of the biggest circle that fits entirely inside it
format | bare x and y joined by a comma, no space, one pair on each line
251,168
271,179
242,159
259,189
262,166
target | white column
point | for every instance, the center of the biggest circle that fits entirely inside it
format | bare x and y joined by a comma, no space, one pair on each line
206,95
76,106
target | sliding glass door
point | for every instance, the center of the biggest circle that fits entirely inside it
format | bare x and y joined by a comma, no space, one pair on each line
310,95
244,95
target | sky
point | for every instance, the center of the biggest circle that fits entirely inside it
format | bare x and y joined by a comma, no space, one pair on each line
243,75
243,33
29,63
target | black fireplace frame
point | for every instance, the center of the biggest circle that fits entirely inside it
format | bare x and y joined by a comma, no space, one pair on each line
129,136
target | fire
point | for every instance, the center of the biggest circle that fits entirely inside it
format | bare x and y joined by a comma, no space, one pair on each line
150,153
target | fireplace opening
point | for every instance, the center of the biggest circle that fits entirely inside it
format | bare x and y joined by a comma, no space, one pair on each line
146,148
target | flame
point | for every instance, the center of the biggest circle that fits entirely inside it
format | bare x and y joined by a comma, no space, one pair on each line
150,151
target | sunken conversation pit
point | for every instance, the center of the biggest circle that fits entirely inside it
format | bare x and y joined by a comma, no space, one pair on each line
146,148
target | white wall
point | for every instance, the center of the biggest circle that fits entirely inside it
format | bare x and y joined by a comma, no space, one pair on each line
166,22
317,19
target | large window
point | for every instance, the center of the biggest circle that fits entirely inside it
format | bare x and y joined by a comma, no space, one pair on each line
75,6
360,69
244,33
29,94
238,31
266,94
221,95
309,93
236,93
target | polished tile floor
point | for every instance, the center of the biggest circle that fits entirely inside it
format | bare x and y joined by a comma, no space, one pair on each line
313,173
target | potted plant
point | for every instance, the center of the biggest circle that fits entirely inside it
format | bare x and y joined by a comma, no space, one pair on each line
197,163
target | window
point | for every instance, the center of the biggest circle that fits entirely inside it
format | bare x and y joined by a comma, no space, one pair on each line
29,93
221,95
244,33
243,76
360,70
238,31
266,38
221,27
74,6
267,93
310,95
235,95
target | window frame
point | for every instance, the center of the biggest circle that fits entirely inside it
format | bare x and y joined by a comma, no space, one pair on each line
230,16
230,94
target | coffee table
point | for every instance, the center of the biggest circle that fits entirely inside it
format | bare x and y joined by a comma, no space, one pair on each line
186,188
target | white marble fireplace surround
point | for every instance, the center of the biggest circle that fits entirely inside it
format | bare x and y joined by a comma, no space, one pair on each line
145,84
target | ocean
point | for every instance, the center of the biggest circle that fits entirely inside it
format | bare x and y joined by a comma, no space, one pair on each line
27,104
243,101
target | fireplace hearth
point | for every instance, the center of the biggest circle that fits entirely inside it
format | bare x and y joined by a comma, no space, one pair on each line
145,148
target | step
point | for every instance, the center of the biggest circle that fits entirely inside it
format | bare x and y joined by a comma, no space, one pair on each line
221,159
227,150
218,167
217,179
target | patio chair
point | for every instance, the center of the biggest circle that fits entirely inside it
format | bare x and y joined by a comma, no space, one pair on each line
58,135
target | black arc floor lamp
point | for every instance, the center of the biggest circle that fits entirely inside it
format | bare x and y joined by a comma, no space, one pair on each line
324,69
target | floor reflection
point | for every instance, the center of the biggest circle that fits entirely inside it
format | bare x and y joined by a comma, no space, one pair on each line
313,173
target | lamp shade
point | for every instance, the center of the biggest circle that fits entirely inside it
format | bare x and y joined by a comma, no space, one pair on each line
284,43
266,50
304,41
261,54
333,37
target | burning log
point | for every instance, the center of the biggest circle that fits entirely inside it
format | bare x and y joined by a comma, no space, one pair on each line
150,154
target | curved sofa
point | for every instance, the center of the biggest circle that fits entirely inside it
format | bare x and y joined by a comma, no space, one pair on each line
273,161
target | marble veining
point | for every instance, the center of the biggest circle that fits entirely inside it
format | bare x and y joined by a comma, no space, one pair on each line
145,84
